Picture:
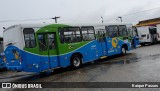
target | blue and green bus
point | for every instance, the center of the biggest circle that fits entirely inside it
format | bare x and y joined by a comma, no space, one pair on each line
44,47
134,37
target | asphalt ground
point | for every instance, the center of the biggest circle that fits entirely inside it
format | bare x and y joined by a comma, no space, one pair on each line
139,65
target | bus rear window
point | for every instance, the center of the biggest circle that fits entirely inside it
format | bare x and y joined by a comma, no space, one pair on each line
153,30
29,38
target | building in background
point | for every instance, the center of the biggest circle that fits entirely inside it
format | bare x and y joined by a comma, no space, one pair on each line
148,31
149,22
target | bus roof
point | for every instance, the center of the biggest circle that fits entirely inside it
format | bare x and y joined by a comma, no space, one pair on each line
97,24
71,24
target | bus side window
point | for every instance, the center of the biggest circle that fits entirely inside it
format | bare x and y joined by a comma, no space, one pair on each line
88,33
60,30
51,41
42,42
29,37
107,31
122,30
113,31
71,35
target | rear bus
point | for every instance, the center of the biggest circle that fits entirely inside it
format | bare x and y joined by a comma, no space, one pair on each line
147,35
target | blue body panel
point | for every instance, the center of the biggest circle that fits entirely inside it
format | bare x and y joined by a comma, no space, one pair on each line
2,64
136,41
29,62
116,50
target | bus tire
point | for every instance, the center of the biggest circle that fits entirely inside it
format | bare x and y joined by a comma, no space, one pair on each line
76,61
123,50
142,44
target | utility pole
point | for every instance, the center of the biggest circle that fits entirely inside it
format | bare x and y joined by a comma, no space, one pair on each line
102,19
120,18
55,18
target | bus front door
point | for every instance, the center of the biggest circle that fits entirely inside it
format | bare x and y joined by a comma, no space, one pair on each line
103,44
48,51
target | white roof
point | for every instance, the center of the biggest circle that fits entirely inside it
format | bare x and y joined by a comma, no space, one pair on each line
72,24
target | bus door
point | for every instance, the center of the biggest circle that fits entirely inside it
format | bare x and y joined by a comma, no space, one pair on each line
48,50
153,33
112,41
135,37
102,41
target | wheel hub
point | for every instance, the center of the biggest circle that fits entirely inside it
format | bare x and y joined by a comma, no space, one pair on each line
76,61
123,50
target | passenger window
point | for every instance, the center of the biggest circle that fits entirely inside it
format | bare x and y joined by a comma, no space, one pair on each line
122,30
112,31
42,42
51,41
71,35
107,31
88,33
29,38
60,30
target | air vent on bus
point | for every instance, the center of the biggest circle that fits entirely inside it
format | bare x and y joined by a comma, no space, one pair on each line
143,35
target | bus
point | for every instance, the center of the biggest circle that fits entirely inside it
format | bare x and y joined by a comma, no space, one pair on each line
133,33
147,35
45,47
158,32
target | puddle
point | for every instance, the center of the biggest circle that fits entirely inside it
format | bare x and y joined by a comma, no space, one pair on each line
123,61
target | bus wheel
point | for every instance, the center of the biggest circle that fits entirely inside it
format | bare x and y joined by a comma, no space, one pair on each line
142,44
76,61
123,51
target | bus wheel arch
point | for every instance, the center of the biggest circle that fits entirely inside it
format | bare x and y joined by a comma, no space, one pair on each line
124,49
76,60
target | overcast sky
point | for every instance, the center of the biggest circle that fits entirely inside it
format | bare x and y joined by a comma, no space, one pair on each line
75,11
